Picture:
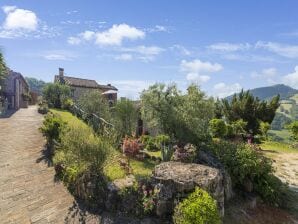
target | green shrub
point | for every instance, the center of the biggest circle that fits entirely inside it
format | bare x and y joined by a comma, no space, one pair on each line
81,148
82,156
149,143
67,104
43,108
198,208
218,128
52,127
245,163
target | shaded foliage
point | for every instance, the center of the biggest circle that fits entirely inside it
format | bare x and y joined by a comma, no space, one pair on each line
55,94
184,117
250,109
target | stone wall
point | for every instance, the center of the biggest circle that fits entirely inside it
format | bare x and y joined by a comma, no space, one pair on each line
176,180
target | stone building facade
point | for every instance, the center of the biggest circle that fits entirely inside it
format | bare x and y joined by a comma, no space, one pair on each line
16,91
80,86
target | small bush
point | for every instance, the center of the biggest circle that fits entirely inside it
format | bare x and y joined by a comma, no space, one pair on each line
218,128
198,208
131,147
52,127
67,104
149,142
43,109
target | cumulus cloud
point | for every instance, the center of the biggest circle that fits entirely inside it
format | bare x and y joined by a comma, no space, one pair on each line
111,37
229,47
117,33
196,70
19,19
23,23
222,90
292,78
288,51
81,37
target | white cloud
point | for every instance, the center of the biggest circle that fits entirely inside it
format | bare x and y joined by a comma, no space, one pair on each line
144,53
222,90
117,33
196,70
288,51
182,50
111,37
157,28
87,35
74,40
265,73
8,8
59,55
145,50
19,19
229,47
25,23
124,57
292,78
81,37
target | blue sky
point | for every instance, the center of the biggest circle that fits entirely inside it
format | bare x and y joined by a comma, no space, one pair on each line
222,46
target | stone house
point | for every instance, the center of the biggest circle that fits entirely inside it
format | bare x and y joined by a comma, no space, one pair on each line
16,91
80,86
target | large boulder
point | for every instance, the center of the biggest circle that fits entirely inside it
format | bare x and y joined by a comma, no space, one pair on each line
175,180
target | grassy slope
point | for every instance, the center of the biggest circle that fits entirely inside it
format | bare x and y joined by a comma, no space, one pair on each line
112,170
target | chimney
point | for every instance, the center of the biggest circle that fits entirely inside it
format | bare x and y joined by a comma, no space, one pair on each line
61,71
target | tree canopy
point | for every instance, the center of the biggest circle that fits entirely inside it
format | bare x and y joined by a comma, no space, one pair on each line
55,94
3,71
184,117
248,108
35,85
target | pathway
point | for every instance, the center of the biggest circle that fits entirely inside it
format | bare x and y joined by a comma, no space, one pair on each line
28,192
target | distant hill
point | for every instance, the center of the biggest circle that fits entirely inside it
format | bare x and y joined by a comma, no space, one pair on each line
35,85
266,93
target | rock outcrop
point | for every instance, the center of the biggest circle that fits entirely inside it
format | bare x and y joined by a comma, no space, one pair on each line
176,180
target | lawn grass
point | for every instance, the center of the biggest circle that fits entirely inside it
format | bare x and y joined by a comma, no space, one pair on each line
68,117
284,134
278,147
155,153
140,169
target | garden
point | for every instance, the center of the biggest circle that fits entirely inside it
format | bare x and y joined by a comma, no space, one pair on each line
201,151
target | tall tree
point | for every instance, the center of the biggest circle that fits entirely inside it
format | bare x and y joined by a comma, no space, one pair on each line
182,116
125,118
55,93
250,109
3,72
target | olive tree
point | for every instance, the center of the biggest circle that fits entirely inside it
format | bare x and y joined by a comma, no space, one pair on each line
55,94
184,117
125,117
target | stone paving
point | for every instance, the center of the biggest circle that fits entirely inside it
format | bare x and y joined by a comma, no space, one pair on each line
28,192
